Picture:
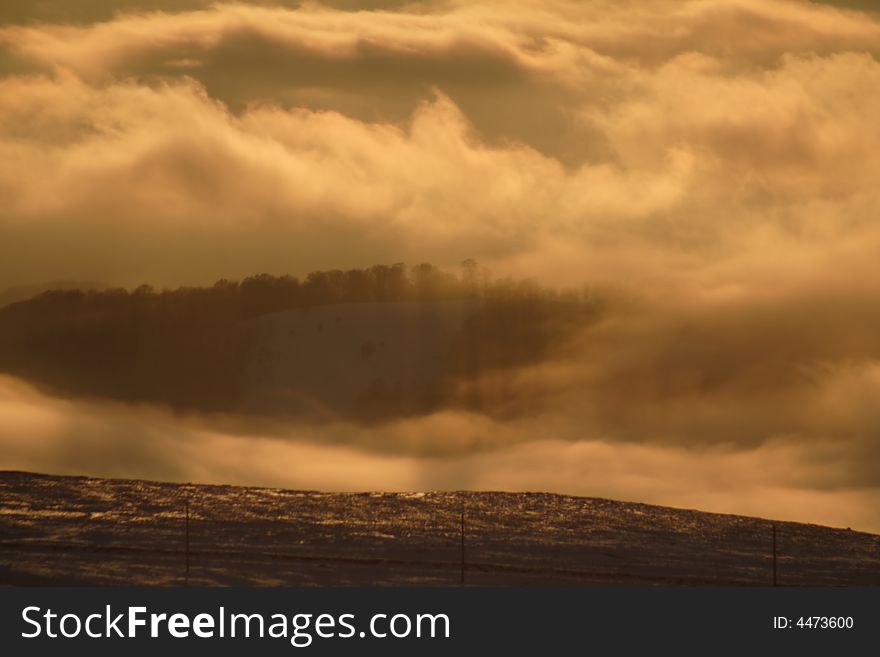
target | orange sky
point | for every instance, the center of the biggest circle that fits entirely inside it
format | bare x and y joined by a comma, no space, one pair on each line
719,157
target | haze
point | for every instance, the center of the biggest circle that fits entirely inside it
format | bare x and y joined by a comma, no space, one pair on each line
717,160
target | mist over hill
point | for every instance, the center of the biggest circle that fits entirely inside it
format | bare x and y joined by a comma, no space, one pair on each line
412,377
377,343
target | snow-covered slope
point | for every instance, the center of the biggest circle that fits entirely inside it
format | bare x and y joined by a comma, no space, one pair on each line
76,530
343,358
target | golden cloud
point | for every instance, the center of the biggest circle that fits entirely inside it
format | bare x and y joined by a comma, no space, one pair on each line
85,438
718,157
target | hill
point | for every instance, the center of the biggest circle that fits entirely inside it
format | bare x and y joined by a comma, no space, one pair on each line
78,530
377,343
362,359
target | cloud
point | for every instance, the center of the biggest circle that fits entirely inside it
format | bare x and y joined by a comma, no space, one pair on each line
737,374
717,158
687,191
110,440
603,140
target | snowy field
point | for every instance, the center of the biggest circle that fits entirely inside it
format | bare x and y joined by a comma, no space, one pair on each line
84,531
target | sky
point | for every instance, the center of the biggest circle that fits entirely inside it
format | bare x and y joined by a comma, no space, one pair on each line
719,158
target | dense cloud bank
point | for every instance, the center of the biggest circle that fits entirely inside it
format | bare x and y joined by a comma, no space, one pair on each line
715,145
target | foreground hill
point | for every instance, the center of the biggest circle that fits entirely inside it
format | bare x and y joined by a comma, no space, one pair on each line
78,530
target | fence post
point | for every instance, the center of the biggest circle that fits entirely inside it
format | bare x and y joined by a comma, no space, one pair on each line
774,555
186,576
462,541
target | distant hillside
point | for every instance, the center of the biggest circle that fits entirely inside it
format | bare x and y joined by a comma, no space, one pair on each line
376,343
370,360
77,530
